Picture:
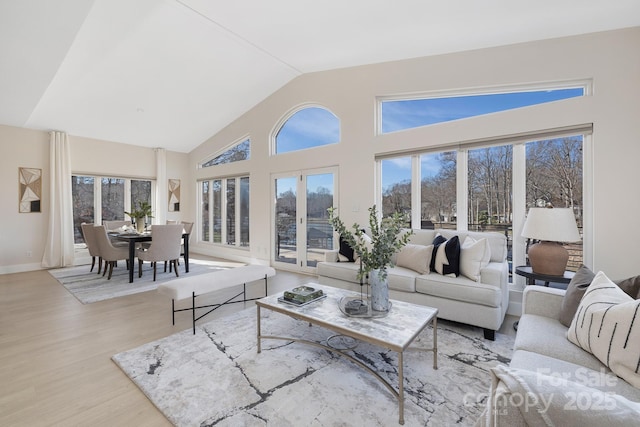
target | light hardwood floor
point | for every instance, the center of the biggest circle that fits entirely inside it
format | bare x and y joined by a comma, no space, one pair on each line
55,352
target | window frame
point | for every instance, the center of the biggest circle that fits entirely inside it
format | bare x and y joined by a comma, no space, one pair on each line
97,195
242,140
585,84
273,140
518,183
238,242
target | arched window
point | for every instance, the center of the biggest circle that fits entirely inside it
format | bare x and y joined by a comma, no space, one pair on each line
307,128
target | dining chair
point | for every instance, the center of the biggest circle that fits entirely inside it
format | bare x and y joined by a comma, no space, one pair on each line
114,225
187,228
166,241
110,254
89,237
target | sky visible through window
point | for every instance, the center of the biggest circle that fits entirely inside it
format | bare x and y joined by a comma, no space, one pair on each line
307,128
406,114
410,113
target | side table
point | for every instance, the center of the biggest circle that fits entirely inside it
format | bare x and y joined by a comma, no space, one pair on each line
527,271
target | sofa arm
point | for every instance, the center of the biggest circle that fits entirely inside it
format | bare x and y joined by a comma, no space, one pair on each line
331,256
496,274
542,301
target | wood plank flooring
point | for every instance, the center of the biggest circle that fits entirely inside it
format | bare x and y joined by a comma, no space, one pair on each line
55,353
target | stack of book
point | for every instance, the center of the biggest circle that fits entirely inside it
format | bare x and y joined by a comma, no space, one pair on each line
302,295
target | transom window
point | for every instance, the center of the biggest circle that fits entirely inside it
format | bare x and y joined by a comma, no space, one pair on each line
238,152
400,114
307,128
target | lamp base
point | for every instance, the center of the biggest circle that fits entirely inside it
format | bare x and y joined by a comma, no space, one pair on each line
548,258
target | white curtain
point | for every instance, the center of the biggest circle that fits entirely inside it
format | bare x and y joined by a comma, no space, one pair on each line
59,249
162,187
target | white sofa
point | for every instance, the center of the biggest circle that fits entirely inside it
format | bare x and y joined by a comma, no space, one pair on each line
480,303
567,384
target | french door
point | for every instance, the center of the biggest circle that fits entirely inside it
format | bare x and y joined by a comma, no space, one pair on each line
301,229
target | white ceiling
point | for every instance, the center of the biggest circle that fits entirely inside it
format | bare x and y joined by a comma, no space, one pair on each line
172,73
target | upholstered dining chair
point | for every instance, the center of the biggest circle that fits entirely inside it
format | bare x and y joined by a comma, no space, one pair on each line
114,225
166,241
110,254
89,236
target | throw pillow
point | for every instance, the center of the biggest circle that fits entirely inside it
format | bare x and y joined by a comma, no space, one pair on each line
631,286
437,241
579,284
346,251
474,256
415,257
607,325
447,259
575,290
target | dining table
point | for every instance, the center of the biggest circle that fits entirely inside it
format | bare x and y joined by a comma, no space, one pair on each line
134,238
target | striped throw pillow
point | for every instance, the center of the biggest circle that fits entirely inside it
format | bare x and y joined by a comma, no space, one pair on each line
607,325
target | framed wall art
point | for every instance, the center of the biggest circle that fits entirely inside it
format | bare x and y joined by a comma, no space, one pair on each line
30,189
174,195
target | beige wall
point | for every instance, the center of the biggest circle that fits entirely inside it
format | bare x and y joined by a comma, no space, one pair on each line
611,60
23,233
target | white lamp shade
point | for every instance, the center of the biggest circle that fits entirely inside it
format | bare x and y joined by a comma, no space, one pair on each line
551,224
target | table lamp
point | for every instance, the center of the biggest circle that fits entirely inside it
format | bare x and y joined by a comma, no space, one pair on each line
550,226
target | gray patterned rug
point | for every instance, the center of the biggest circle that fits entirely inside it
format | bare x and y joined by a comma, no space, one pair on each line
217,378
90,287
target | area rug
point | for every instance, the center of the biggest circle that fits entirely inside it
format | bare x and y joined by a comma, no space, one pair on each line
90,287
216,377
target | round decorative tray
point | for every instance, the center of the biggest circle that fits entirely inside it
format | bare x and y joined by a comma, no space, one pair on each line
359,307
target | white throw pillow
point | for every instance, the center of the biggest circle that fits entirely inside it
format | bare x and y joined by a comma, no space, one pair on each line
474,256
415,257
607,325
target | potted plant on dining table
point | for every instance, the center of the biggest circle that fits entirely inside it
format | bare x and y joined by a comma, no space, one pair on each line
375,251
138,215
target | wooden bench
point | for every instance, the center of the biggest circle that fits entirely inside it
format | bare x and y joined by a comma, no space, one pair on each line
194,286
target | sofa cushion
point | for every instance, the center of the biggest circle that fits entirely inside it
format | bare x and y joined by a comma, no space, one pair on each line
402,279
605,325
548,336
346,271
415,257
447,256
474,256
459,289
600,378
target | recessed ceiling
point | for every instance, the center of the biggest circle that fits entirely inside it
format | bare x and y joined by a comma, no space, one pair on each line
172,73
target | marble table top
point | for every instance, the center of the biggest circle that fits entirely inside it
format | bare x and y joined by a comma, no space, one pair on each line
395,331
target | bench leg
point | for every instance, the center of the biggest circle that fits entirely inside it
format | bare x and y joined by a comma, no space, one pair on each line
173,312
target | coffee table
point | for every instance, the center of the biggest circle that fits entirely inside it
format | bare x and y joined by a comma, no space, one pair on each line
396,331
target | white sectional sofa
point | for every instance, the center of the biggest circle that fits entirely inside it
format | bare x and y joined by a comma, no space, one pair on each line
551,381
481,303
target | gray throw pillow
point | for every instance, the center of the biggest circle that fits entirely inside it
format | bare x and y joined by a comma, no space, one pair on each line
579,284
575,290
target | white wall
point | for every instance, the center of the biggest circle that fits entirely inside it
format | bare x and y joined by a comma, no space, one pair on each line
610,59
21,233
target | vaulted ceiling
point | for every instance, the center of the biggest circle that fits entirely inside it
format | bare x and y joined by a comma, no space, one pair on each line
172,73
